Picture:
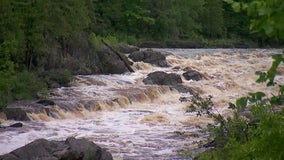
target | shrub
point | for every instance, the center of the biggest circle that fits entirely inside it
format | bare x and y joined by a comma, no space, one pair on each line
23,85
57,78
96,40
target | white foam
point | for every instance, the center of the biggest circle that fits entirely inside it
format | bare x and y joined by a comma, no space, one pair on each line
148,128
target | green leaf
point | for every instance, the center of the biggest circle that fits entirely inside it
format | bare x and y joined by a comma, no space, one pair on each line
255,97
262,76
232,106
281,90
241,102
229,1
236,6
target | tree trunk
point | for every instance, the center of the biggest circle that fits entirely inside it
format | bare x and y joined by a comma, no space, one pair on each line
124,59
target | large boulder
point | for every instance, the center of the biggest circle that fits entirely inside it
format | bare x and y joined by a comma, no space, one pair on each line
182,89
82,58
16,114
110,63
162,78
71,149
19,110
170,79
191,74
149,56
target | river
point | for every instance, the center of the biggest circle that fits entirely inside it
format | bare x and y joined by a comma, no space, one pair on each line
137,121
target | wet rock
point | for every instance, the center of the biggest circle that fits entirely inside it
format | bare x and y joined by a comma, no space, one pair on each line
110,63
149,56
191,74
171,79
182,89
18,114
16,125
71,149
19,110
162,78
125,48
176,68
152,44
46,102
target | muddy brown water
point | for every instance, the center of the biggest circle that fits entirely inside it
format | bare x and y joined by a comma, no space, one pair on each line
135,121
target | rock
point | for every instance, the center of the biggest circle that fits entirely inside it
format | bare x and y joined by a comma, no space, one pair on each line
192,75
182,89
162,78
110,63
16,114
16,125
152,44
71,149
125,48
149,56
46,102
171,79
83,59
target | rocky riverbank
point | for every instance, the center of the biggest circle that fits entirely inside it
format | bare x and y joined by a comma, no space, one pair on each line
71,149
139,115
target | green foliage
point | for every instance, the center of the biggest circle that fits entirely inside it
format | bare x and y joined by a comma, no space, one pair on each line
266,16
5,91
96,40
20,86
6,65
254,132
25,85
175,19
270,74
57,77
213,19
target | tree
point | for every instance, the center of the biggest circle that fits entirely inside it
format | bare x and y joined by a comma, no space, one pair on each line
212,19
266,16
236,23
187,14
66,21
175,19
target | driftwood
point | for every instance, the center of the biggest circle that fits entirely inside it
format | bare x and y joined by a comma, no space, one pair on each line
123,58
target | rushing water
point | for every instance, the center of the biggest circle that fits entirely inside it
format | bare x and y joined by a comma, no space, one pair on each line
135,121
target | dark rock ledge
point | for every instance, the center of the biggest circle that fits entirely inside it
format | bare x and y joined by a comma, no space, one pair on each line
71,149
170,79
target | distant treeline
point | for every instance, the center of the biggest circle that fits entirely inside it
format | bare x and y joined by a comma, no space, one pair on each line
30,27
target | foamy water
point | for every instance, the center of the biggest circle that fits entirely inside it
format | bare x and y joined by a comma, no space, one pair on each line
146,122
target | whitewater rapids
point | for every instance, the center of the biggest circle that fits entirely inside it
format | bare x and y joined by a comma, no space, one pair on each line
135,121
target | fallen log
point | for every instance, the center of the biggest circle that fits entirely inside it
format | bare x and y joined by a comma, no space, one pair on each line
124,59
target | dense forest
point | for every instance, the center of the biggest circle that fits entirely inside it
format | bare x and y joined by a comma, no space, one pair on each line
40,40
